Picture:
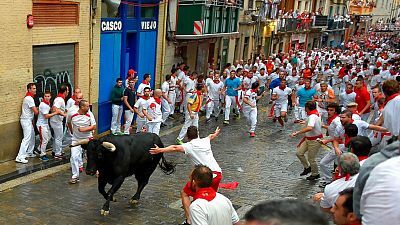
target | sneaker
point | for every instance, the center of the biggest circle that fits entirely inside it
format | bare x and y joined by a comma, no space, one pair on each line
59,157
18,160
236,116
252,134
185,223
179,142
31,155
313,177
306,171
44,158
36,151
81,169
226,122
74,180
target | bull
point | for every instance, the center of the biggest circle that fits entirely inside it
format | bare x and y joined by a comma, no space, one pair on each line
118,157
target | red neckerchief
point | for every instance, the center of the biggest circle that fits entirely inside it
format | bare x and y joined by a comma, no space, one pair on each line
280,87
73,97
158,100
29,94
191,77
253,90
330,119
362,157
46,102
348,92
76,103
346,176
205,193
61,96
145,82
145,97
313,112
198,93
391,97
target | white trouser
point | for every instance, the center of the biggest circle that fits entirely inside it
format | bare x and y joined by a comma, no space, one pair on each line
165,108
172,98
67,140
187,96
128,120
153,127
28,141
251,116
44,135
189,122
140,122
299,113
116,118
212,106
58,137
76,160
326,166
231,100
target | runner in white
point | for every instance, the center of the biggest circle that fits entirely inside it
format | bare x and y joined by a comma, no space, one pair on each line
155,113
28,111
214,89
166,101
56,121
280,96
250,107
141,109
145,83
172,92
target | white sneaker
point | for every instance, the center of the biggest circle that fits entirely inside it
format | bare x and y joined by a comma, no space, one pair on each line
18,160
31,155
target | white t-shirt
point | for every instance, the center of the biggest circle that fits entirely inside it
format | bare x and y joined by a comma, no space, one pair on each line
172,83
165,87
27,104
251,96
331,192
375,80
314,121
141,104
71,111
141,87
189,85
181,76
391,116
199,150
361,125
247,82
345,98
78,120
381,196
213,89
154,110
43,110
282,95
60,104
70,103
332,127
263,79
218,211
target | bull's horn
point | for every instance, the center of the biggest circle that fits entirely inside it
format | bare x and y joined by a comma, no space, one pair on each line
80,142
109,146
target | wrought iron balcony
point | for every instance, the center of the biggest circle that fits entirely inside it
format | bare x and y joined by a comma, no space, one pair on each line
226,3
337,25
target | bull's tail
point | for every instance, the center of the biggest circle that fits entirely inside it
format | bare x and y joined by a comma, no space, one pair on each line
167,167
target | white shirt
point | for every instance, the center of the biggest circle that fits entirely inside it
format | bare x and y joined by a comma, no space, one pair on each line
181,76
43,110
247,82
375,80
314,121
141,104
154,110
70,103
189,85
165,87
263,79
172,83
361,125
77,120
218,211
60,104
27,104
345,98
141,87
391,116
331,192
282,95
199,151
214,89
251,96
332,127
380,198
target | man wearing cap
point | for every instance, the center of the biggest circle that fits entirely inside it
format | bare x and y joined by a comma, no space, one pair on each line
131,73
352,107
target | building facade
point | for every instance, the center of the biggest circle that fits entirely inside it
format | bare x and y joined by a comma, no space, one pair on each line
53,50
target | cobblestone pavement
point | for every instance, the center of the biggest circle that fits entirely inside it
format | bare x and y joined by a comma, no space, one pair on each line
265,167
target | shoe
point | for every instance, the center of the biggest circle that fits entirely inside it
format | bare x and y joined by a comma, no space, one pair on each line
185,223
31,155
179,142
163,125
18,160
226,122
44,158
313,177
81,169
36,151
119,133
306,171
74,180
208,120
236,116
252,134
59,157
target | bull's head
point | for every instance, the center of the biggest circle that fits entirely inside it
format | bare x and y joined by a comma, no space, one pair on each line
94,152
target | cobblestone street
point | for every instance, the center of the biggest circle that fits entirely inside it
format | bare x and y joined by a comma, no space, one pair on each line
266,167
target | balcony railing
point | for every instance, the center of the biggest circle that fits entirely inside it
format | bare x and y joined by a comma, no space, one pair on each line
337,25
226,3
295,24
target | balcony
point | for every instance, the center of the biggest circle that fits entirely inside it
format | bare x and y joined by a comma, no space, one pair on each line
224,3
298,25
337,25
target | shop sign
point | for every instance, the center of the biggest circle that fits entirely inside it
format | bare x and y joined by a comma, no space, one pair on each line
111,26
148,25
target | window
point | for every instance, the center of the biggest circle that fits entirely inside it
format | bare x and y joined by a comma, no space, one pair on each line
337,10
217,16
224,20
55,13
207,21
147,12
344,11
130,11
330,12
306,6
233,20
299,5
250,5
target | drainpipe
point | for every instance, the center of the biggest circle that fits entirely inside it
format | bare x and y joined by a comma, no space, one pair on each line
163,43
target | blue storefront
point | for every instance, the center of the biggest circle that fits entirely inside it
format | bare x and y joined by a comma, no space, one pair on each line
127,41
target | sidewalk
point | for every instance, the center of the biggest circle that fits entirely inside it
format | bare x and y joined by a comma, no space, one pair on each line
11,170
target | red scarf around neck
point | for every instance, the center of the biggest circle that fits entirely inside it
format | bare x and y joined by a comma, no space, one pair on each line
205,193
145,82
158,100
46,102
313,112
145,97
349,92
330,119
29,94
73,97
61,96
391,97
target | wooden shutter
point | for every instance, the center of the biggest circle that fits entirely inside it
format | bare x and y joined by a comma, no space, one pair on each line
55,13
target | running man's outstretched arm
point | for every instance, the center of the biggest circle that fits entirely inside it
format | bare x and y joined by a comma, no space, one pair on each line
215,134
171,148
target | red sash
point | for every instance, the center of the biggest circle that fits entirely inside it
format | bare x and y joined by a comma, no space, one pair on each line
205,193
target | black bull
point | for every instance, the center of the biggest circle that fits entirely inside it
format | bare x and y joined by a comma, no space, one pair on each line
118,157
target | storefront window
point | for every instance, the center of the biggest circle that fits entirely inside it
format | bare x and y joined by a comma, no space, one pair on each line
147,12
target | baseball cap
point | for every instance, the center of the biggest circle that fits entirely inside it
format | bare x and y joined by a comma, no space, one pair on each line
352,104
131,71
